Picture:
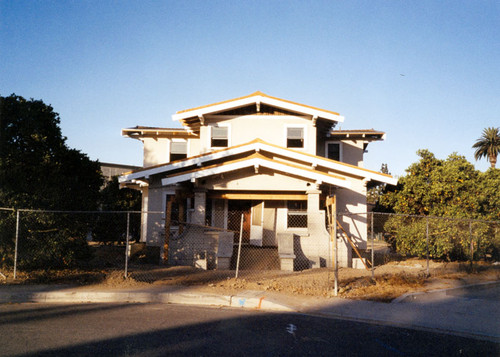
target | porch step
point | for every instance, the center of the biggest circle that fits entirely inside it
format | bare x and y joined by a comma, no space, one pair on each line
256,258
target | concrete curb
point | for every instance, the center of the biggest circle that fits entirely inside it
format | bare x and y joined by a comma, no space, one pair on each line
261,301
441,292
251,300
258,300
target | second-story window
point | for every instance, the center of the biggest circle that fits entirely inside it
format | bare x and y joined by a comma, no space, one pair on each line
219,136
334,151
294,137
178,150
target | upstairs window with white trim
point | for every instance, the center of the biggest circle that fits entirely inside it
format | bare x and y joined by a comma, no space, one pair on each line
219,136
334,150
178,150
295,137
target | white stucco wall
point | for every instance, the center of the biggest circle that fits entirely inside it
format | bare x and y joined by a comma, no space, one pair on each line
193,147
352,152
350,202
271,129
156,151
247,179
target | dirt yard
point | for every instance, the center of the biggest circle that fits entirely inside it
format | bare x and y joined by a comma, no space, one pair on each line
393,277
390,280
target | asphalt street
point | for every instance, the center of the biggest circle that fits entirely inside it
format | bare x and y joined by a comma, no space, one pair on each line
165,329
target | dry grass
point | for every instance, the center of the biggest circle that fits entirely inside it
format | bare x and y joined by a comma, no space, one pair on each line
384,288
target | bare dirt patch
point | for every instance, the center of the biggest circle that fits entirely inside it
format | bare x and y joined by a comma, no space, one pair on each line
390,280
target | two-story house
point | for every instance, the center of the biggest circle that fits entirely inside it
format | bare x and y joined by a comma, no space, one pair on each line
273,160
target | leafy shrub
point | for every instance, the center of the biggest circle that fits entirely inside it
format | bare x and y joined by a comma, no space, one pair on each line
448,239
7,238
52,249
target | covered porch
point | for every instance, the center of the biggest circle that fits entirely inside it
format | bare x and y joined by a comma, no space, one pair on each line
291,226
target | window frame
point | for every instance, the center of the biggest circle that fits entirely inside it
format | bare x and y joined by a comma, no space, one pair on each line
296,212
172,141
210,134
304,136
341,154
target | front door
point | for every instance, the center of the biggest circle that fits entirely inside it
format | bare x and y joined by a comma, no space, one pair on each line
236,208
257,223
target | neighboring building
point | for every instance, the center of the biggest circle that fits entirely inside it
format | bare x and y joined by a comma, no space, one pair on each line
112,170
272,159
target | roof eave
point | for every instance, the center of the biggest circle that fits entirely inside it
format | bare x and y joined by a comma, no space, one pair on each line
137,133
357,135
259,98
332,165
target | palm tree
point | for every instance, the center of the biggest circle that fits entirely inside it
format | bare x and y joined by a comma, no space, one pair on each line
488,145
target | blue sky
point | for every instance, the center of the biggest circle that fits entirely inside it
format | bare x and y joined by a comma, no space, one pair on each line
425,72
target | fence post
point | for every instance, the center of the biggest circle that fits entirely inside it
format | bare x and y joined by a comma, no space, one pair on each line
16,245
335,250
427,242
471,244
239,248
373,247
127,246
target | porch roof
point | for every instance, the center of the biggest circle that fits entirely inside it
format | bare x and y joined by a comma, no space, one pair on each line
256,161
322,169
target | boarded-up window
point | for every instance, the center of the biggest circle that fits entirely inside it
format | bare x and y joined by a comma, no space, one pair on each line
295,137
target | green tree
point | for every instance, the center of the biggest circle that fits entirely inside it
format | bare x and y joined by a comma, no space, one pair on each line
111,224
39,171
435,187
114,198
489,195
488,145
37,168
449,188
376,189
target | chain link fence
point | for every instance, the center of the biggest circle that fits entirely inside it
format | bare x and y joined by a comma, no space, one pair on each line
36,243
229,244
438,238
7,242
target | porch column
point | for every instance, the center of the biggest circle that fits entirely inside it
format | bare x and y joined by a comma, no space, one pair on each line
144,214
313,200
317,250
315,217
200,201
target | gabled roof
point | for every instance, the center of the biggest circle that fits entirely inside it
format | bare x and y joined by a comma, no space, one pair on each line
256,161
229,159
193,118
